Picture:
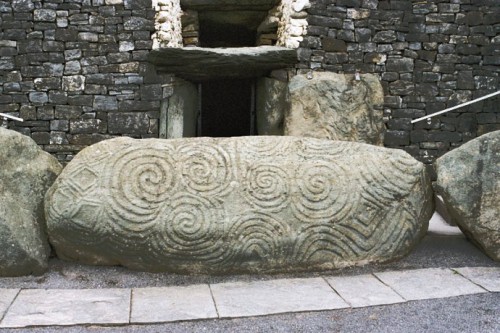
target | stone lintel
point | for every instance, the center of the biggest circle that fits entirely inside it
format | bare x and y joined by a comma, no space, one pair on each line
229,4
199,64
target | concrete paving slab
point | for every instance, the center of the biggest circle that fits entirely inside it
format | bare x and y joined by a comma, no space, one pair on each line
155,305
429,283
486,277
240,299
363,290
38,307
6,298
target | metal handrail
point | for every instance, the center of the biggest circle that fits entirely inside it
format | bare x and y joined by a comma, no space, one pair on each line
7,116
428,117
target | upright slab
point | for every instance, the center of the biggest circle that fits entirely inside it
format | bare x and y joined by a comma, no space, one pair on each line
469,182
250,204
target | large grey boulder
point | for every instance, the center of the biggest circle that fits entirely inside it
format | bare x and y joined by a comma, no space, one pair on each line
337,107
26,174
468,179
249,204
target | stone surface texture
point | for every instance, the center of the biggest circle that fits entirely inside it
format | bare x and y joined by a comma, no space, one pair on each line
469,182
249,204
172,304
26,174
428,283
336,106
239,299
204,63
271,104
363,290
37,307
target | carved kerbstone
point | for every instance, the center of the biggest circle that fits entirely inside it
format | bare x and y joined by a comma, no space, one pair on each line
248,204
469,182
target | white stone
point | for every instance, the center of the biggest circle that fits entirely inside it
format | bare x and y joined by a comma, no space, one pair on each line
300,5
364,290
7,296
126,46
429,283
241,299
486,277
154,305
38,307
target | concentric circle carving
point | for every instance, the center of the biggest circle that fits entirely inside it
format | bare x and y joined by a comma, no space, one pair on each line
206,169
191,228
266,186
322,193
141,180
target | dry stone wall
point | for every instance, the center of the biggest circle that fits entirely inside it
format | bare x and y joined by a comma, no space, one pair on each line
77,70
430,55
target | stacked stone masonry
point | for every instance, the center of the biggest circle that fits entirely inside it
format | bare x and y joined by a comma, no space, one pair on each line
430,55
77,70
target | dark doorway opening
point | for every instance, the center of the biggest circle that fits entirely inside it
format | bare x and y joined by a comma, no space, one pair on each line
229,28
227,108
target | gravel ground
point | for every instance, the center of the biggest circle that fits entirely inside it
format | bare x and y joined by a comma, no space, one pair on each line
433,251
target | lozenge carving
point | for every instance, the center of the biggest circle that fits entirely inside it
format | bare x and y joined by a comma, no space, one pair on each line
249,204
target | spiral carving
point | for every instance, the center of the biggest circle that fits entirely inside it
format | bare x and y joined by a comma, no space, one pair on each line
257,237
206,169
323,194
141,180
191,228
266,186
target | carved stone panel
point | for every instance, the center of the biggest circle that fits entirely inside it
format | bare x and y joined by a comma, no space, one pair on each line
247,204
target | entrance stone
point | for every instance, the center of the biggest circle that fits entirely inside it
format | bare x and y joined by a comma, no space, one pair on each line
336,106
243,204
468,179
26,174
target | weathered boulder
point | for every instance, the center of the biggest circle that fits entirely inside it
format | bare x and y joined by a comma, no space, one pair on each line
336,106
468,179
249,204
26,174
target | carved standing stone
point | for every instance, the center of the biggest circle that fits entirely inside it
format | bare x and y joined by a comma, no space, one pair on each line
26,173
336,106
469,182
250,204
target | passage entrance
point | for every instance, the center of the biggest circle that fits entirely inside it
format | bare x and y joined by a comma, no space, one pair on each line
227,108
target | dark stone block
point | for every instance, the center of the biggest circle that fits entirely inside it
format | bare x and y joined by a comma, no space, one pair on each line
387,36
400,65
45,113
68,111
402,88
151,92
336,58
41,138
363,34
333,45
396,138
81,100
324,21
128,123
105,103
87,126
131,105
465,80
138,23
